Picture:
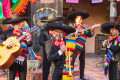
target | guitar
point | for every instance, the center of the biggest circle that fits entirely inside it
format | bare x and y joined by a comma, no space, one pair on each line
95,26
8,54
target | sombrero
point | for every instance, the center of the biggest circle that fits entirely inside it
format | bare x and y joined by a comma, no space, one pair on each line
51,18
105,28
76,13
15,19
64,27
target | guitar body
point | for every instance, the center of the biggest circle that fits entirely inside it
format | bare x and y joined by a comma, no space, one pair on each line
8,55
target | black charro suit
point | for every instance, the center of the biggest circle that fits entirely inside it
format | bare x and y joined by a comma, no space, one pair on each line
22,69
82,55
114,68
58,60
45,36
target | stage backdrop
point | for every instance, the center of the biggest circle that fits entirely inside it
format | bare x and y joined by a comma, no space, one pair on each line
43,8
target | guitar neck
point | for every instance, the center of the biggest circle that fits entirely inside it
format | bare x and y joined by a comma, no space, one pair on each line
21,37
87,29
30,31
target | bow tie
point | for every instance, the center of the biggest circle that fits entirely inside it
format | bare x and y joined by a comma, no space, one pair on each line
59,42
77,25
16,32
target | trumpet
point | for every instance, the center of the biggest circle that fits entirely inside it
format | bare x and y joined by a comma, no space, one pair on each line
68,62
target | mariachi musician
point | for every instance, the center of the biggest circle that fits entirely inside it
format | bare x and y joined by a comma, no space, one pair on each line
112,49
58,48
20,63
46,35
81,35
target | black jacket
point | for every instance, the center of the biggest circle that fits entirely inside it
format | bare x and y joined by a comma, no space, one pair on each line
115,50
56,58
44,36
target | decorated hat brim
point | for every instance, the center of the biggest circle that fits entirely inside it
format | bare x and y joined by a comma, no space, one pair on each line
105,28
76,13
54,19
63,27
16,20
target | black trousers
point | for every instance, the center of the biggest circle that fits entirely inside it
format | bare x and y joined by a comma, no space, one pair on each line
114,72
46,66
22,70
57,74
82,63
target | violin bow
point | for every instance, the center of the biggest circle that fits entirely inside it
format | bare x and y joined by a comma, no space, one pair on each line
116,22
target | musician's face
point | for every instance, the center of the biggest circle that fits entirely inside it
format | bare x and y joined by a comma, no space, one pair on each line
59,34
114,31
16,26
78,19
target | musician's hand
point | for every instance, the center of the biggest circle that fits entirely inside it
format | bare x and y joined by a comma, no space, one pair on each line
106,42
63,48
8,43
71,59
80,30
28,36
95,26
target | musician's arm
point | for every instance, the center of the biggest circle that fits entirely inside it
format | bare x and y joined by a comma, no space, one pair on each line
53,55
115,49
90,33
74,55
3,36
42,38
48,46
29,43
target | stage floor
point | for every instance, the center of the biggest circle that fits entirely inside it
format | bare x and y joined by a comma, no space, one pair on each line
94,69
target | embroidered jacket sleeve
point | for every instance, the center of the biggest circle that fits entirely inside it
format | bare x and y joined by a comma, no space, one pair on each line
48,46
29,43
88,33
115,49
115,46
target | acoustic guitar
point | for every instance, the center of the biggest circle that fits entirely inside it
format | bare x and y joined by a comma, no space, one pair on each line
8,54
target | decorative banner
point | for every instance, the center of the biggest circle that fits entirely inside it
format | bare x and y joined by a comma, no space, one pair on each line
47,1
72,1
20,6
1,11
14,1
97,1
117,0
6,9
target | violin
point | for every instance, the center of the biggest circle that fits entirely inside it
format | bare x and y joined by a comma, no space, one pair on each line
110,39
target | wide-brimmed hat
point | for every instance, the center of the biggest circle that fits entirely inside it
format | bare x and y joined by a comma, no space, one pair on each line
76,13
51,18
64,27
105,28
15,19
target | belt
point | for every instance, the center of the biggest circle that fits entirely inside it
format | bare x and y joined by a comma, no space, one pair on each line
115,60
